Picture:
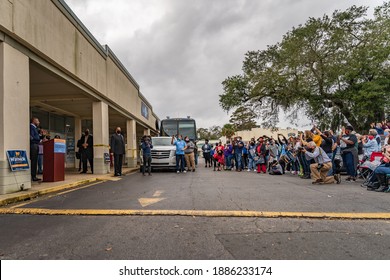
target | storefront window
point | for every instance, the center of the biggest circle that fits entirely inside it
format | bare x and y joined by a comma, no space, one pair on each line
42,116
57,123
58,126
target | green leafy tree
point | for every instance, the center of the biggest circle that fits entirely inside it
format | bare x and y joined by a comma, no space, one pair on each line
215,132
243,118
203,133
334,69
228,130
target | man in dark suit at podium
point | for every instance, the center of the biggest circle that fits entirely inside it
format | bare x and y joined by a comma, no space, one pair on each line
86,150
35,139
118,149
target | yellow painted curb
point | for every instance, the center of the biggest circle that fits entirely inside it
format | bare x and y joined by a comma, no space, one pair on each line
34,194
194,213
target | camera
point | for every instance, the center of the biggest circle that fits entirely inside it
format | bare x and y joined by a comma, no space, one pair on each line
319,166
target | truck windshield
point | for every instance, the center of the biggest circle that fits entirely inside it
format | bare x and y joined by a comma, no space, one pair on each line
161,141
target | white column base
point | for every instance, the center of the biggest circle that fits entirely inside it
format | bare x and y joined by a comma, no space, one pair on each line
11,182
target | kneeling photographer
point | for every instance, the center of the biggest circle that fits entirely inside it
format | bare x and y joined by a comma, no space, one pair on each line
322,165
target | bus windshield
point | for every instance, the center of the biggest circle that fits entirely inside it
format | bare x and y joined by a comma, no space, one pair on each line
184,127
168,127
187,128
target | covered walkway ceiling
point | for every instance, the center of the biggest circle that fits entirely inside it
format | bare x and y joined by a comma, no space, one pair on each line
54,94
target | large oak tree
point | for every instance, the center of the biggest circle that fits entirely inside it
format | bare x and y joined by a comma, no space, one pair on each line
334,69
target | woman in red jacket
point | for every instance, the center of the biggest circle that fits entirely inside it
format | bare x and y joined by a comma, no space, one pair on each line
218,156
261,154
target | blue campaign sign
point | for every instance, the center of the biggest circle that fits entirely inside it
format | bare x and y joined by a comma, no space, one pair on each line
18,160
107,157
59,146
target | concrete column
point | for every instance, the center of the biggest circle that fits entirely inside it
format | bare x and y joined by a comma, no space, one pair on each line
146,131
14,116
77,136
100,137
132,150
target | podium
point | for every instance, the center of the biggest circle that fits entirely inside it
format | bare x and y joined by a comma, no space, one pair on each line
54,160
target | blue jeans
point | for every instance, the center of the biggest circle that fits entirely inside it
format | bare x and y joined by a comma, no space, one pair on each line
330,155
349,163
295,165
179,162
251,164
238,160
304,163
382,169
228,161
40,164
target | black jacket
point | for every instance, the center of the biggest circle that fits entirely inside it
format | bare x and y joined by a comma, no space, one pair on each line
80,143
261,150
117,144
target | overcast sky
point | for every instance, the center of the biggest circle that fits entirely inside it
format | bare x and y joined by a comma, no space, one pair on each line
179,51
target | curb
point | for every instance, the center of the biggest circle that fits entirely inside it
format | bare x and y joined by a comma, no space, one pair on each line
196,213
34,194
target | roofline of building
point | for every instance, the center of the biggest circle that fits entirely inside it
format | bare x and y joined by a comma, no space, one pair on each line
105,52
143,98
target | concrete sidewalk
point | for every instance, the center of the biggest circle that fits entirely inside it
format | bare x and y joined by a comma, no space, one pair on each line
72,179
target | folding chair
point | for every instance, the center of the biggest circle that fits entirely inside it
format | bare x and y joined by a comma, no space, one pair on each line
366,168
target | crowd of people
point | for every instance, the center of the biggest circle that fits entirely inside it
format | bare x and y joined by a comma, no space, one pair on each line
321,156
312,154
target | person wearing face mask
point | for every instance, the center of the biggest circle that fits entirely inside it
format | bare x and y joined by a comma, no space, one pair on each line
283,144
118,149
349,153
35,140
219,157
189,154
86,150
370,145
387,137
377,138
180,147
228,155
146,145
320,168
206,149
273,151
261,153
251,155
238,147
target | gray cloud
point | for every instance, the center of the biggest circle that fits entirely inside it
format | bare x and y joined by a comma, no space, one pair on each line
180,51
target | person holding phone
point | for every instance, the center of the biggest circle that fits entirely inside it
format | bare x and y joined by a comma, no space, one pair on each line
146,145
180,147
348,144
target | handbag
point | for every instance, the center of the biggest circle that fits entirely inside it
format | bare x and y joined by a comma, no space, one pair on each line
261,160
